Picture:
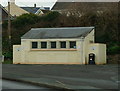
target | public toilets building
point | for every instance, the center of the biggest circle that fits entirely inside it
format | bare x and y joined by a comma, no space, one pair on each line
69,45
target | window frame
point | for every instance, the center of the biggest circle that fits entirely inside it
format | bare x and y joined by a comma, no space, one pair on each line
55,44
41,46
61,44
35,45
74,47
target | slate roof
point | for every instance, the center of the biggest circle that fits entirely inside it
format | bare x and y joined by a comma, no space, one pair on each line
31,9
35,9
87,5
51,33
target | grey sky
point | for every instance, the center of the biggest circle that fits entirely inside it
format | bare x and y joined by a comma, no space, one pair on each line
50,3
28,3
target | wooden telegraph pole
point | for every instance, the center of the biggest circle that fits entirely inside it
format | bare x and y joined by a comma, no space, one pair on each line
9,25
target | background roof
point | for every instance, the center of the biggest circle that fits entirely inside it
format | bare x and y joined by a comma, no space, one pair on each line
16,10
48,33
31,9
87,5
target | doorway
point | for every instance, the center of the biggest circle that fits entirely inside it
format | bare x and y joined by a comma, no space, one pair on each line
91,58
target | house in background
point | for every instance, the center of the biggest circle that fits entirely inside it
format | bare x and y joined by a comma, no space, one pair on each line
37,10
32,10
79,8
42,12
69,45
15,10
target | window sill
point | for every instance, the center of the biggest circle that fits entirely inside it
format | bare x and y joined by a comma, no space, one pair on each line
53,49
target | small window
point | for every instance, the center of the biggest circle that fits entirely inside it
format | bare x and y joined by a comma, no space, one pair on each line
72,44
34,44
43,44
53,44
63,44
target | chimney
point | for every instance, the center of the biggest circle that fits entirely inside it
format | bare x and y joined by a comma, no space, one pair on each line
34,5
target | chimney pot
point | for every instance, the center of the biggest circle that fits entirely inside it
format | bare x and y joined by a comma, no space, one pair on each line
34,5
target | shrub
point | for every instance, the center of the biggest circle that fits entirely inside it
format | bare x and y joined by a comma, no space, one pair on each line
115,49
7,54
25,19
51,16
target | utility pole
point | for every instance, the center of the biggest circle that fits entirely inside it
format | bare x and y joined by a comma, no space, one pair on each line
9,25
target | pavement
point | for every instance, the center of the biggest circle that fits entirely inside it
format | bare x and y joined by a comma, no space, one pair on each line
67,77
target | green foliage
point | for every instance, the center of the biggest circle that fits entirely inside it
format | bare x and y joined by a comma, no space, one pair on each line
106,27
25,20
7,54
113,48
51,16
31,19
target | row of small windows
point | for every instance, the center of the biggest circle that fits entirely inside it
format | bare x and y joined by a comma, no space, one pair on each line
43,45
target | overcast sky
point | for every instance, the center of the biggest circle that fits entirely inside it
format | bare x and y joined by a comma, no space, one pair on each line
48,3
28,3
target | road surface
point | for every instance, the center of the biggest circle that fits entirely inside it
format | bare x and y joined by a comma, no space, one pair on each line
67,76
6,84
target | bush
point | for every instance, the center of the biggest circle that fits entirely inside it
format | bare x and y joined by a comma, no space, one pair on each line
115,49
51,16
8,54
25,19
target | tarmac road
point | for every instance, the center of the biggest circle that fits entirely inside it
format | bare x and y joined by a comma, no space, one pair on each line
67,76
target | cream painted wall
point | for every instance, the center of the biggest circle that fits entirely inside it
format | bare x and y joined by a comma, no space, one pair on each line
86,43
100,52
53,57
49,56
17,53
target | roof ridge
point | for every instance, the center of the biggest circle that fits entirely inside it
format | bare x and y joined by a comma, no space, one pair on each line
64,27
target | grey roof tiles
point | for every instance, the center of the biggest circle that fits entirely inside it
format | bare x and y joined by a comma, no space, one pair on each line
66,32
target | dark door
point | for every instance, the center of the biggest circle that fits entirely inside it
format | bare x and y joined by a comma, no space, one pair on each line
91,58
